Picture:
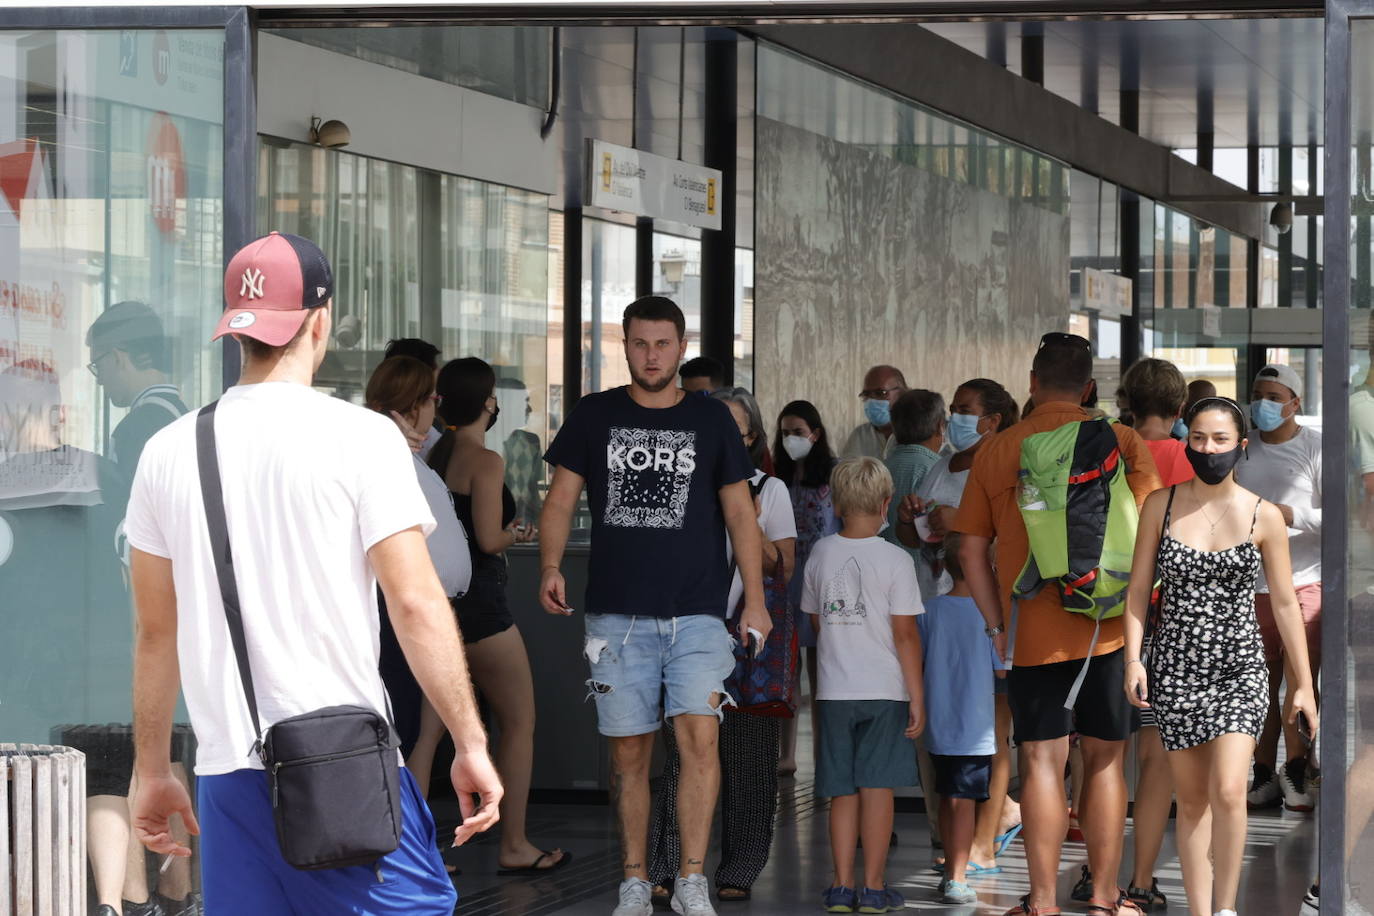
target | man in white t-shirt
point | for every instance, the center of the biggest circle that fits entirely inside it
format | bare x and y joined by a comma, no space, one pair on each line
1284,465
322,504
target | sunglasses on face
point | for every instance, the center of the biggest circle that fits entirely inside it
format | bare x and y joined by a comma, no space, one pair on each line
877,394
1059,338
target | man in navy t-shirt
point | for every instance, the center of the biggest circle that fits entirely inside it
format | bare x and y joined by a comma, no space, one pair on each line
667,474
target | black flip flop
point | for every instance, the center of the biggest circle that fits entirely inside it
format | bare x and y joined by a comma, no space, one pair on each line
743,894
534,869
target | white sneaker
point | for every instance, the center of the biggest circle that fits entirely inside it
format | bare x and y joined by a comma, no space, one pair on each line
1295,797
1266,794
692,896
636,898
1311,903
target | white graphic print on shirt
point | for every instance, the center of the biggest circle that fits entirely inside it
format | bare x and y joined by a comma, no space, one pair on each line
649,475
842,601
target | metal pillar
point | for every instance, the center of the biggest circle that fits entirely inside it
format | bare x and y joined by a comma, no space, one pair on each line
644,257
1033,52
240,152
718,247
572,307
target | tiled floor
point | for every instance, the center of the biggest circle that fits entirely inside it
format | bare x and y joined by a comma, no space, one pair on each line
1279,862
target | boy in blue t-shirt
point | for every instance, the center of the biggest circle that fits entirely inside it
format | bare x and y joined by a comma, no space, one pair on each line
959,666
869,707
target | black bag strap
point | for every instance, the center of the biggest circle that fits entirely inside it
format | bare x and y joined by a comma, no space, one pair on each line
1152,613
212,492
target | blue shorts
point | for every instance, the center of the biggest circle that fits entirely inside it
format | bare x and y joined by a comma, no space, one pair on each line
962,777
242,869
862,746
646,668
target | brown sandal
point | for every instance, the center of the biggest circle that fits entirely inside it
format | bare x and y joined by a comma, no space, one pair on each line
1026,908
1124,906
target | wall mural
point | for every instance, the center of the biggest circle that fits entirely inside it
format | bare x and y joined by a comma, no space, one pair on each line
862,259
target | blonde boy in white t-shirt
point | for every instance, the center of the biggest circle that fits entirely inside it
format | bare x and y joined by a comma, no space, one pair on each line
870,702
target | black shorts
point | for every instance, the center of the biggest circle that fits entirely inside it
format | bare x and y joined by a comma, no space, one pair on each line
1037,693
962,777
482,611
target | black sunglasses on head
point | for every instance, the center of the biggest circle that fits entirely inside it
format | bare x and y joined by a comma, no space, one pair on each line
1059,338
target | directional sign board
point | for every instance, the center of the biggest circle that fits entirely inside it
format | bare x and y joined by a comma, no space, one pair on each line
633,181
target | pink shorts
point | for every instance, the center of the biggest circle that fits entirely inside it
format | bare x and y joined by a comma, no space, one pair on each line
1310,601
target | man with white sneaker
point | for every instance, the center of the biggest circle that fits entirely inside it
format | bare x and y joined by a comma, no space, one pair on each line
667,475
1284,465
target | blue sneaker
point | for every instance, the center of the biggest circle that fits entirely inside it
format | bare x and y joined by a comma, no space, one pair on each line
957,892
839,899
880,901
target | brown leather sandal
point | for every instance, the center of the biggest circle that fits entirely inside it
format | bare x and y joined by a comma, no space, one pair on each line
1123,906
1026,908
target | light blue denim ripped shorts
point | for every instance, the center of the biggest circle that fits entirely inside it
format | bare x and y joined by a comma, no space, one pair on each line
646,668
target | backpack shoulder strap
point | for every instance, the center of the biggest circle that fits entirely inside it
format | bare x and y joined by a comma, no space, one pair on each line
756,489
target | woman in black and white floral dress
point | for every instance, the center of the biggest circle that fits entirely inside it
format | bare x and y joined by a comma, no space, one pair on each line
1207,682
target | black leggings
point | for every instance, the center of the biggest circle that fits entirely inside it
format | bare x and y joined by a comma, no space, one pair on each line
748,795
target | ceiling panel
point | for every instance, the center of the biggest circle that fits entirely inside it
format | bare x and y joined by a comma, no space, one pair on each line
1263,76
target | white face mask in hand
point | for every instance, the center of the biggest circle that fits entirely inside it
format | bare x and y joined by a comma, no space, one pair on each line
796,447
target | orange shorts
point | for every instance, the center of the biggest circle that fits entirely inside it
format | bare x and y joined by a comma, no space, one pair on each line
1310,601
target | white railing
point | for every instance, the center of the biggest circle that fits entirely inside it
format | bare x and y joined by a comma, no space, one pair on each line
43,842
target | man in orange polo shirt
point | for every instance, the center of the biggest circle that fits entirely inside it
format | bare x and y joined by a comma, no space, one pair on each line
1052,643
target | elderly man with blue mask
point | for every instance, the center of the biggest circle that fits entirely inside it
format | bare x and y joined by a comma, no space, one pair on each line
1284,465
872,438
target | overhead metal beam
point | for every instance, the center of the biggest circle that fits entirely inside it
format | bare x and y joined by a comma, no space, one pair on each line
757,12
920,65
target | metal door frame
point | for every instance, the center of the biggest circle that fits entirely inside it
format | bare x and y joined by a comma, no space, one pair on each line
240,118
1336,744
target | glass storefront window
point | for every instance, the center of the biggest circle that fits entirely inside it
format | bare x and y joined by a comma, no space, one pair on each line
677,275
111,220
608,285
1358,366
744,318
795,91
461,263
510,62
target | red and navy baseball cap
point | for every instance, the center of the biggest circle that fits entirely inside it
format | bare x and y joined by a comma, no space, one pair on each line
271,285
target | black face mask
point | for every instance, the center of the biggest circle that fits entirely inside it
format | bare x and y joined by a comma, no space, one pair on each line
1213,469
491,420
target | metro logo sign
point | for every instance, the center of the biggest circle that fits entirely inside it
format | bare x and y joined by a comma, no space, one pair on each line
162,58
166,169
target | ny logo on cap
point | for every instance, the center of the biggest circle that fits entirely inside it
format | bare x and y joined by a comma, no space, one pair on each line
252,284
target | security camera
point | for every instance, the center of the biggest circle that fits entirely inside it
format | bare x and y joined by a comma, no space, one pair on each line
348,331
330,134
1281,218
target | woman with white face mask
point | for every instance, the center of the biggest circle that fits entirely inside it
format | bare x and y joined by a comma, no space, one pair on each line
802,459
980,409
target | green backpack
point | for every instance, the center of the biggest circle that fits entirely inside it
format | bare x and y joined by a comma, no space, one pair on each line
1073,481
